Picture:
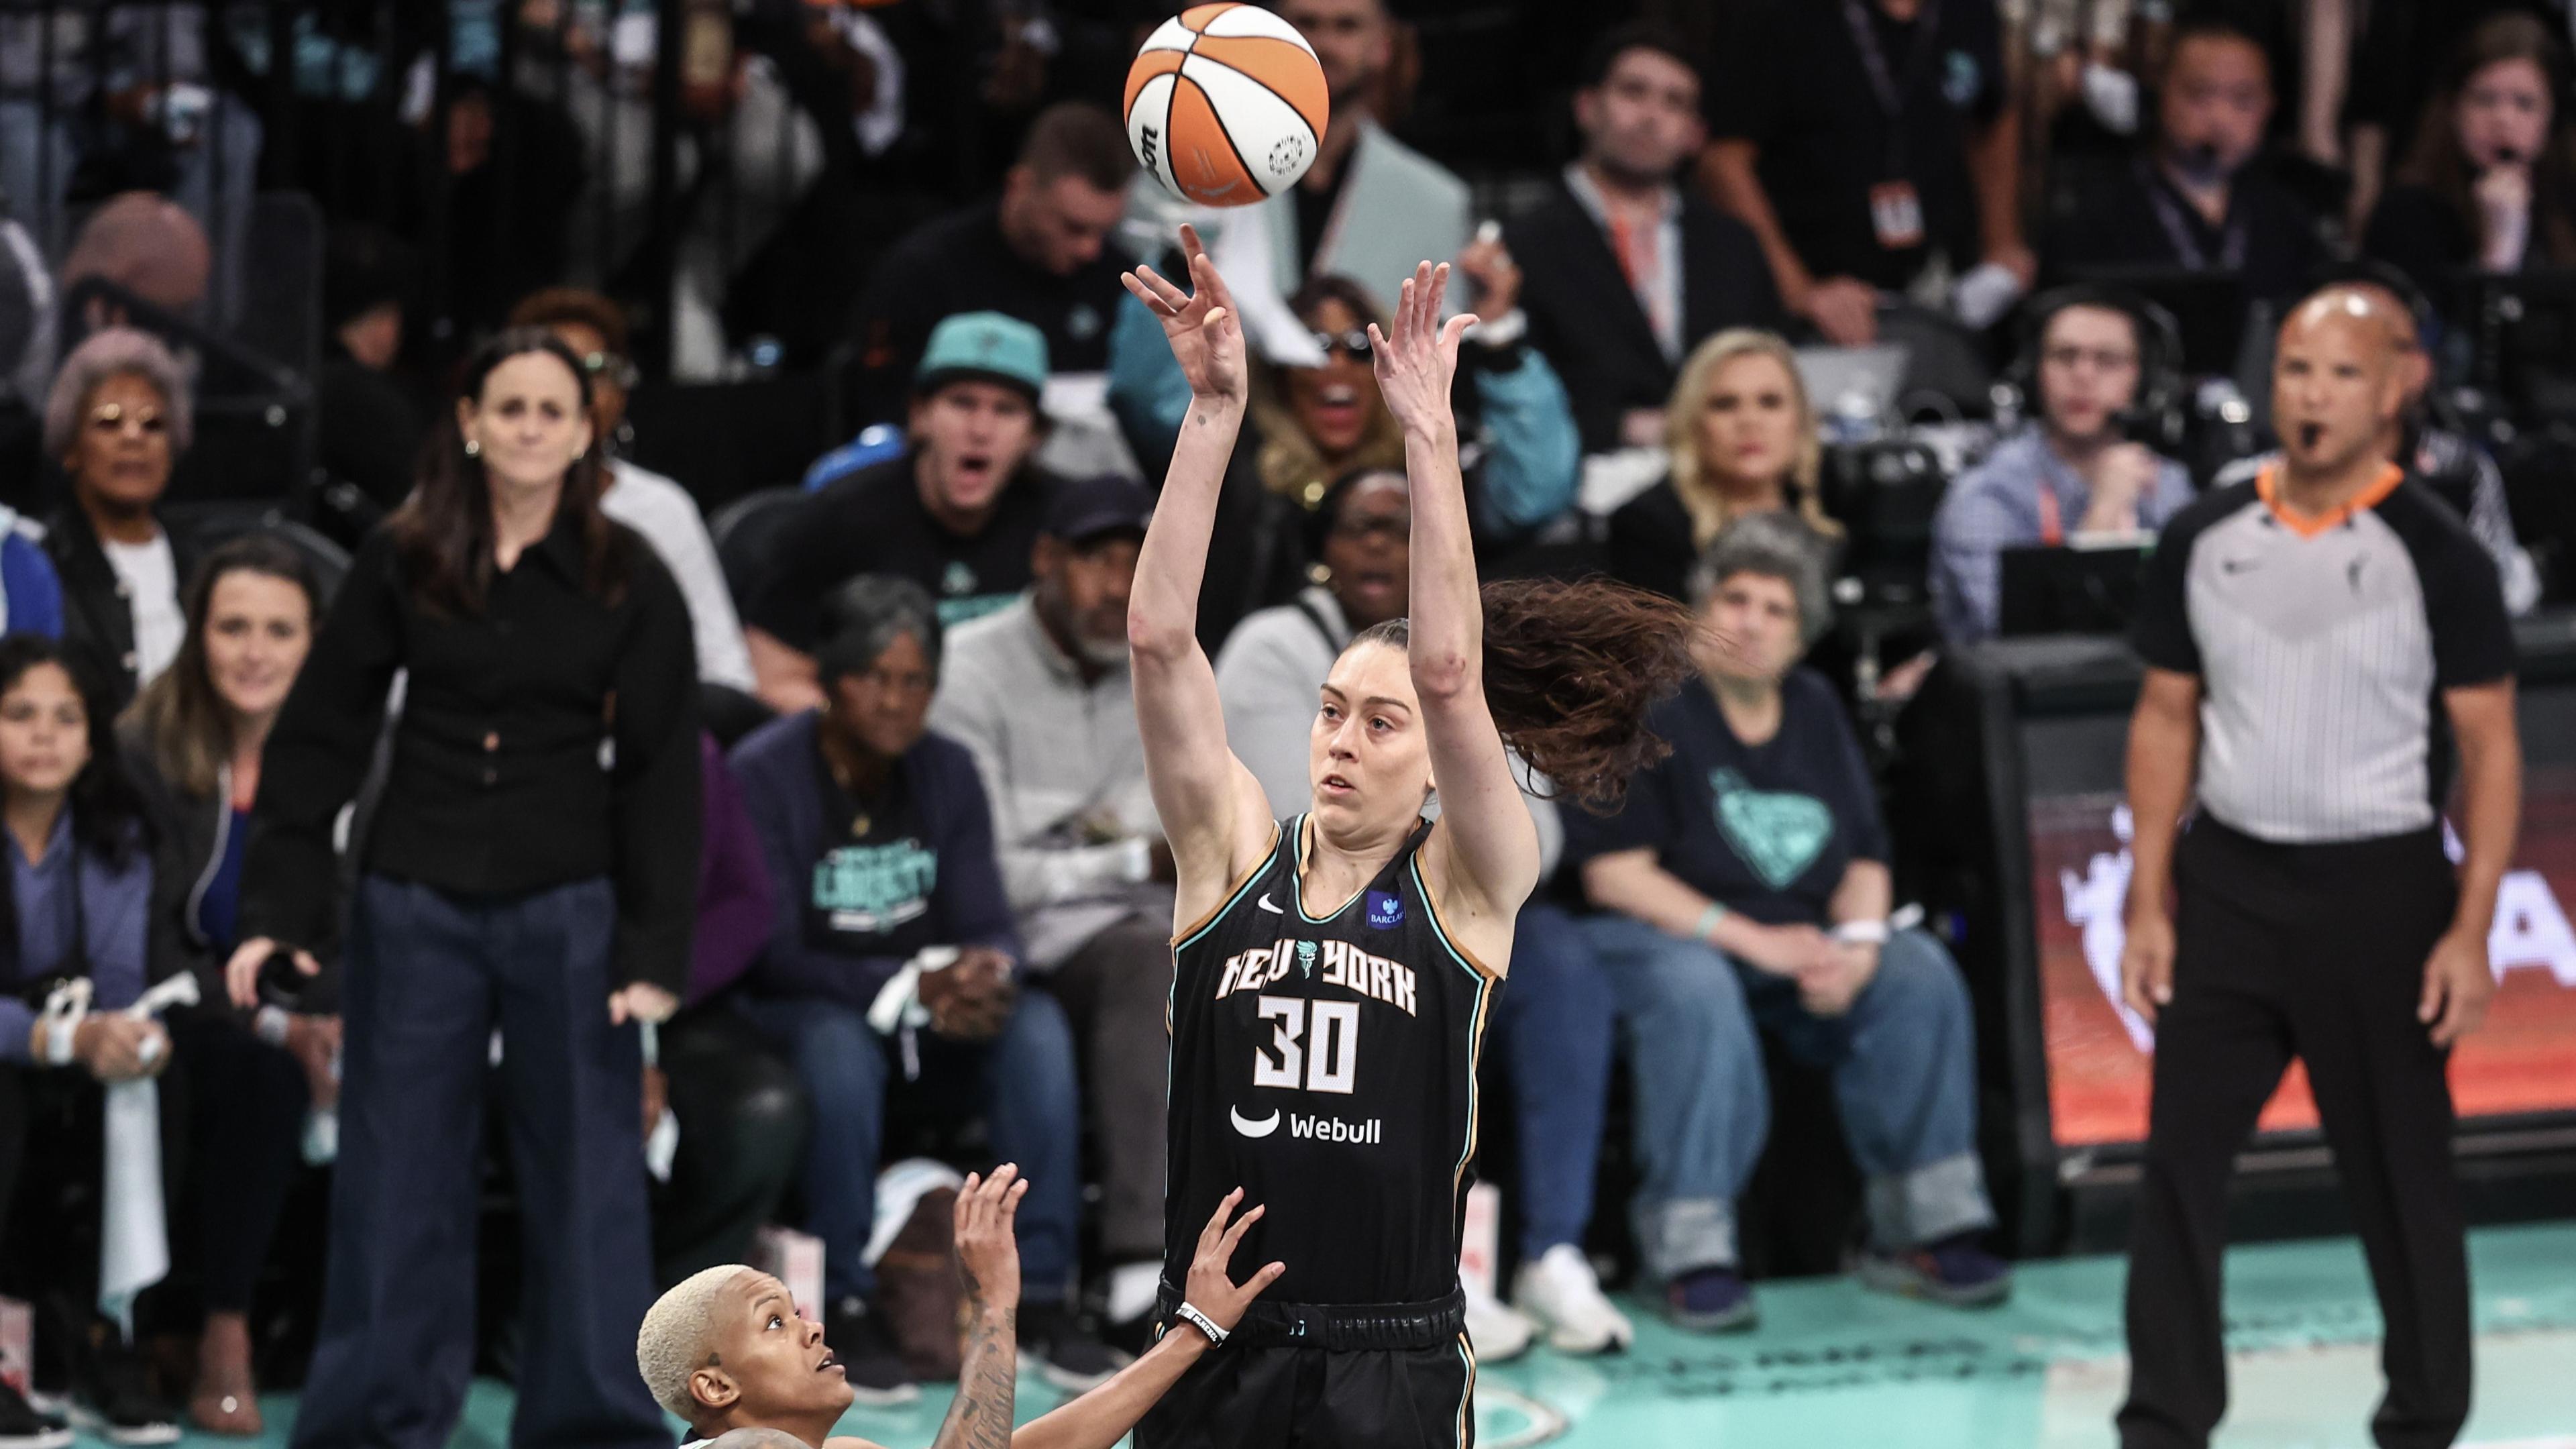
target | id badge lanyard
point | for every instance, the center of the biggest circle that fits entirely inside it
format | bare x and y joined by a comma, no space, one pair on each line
1895,207
2186,247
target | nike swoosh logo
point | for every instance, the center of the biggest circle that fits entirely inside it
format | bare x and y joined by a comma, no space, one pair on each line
1264,903
1249,1128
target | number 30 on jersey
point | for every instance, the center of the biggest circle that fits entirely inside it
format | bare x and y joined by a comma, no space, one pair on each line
1314,1045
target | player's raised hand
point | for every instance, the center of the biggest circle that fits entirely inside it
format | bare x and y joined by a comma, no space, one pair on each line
1212,1289
988,1254
1203,325
1418,357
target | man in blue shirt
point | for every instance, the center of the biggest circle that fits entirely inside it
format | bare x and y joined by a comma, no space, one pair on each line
2071,476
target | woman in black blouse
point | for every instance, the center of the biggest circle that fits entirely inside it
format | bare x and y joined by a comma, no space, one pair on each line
532,864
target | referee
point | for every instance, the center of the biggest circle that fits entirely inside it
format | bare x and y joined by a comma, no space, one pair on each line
2317,641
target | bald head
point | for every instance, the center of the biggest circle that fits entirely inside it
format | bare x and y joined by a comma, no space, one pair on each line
2340,377
148,245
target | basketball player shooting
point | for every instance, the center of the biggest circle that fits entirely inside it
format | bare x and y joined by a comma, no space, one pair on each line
1335,971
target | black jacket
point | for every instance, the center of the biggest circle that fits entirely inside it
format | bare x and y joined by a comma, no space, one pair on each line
98,617
1586,320
189,839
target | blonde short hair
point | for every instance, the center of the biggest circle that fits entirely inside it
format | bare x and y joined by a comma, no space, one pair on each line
678,1335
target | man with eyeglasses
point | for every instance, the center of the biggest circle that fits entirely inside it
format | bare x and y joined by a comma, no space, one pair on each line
2072,476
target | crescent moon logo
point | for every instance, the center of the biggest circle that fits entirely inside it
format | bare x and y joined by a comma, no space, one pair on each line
1251,1128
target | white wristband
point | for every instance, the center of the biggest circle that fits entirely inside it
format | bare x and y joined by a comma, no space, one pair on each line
1189,1314
1862,933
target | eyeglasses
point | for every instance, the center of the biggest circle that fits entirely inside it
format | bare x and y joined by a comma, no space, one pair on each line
609,367
113,418
2104,359
1353,344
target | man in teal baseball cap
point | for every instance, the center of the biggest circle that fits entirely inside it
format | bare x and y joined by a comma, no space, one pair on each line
957,510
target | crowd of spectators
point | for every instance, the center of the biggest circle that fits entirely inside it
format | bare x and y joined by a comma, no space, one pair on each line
876,723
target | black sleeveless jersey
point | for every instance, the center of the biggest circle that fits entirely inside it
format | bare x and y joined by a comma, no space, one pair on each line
1327,1067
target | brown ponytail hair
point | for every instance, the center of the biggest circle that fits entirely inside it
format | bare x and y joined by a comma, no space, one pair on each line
1571,668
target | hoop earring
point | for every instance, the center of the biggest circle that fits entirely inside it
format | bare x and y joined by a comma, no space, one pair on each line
473,449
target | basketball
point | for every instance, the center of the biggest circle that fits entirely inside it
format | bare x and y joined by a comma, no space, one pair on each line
1226,105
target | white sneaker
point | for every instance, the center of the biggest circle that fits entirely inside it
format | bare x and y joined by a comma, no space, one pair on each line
1561,1296
1497,1332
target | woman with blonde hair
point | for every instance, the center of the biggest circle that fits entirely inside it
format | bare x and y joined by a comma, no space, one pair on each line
1740,437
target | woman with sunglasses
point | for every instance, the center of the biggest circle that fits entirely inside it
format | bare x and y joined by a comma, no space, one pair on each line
117,420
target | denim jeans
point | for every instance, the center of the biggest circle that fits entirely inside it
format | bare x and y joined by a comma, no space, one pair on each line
1555,1017
1904,1066
427,978
849,1071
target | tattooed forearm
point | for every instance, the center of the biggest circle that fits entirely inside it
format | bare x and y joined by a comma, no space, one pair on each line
980,1417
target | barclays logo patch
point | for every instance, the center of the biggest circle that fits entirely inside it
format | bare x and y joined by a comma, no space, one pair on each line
1385,911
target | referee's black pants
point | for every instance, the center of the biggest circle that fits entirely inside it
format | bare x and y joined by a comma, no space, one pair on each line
2313,951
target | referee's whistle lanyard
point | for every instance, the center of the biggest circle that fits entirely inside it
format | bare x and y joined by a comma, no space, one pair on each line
2178,232
1884,82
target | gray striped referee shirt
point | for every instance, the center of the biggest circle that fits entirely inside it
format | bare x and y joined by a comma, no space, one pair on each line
2322,648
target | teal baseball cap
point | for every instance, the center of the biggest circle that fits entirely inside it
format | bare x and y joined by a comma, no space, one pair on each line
984,345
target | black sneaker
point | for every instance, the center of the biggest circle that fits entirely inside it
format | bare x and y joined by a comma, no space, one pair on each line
112,1391
1067,1355
857,1336
21,1427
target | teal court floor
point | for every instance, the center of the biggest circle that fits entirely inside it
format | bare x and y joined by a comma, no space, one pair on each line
1834,1365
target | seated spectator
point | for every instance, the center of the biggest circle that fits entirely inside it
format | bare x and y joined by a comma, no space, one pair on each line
370,426
645,501
1860,147
892,957
958,515
1555,1022
2453,464
725,1353
1082,852
145,244
115,84
1037,252
193,740
1368,208
80,884
1742,883
740,1112
2070,475
1313,421
2196,197
1740,435
2490,185
118,420
1624,271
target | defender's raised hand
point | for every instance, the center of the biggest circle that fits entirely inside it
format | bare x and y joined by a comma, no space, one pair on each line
1417,361
1203,325
988,1253
1212,1289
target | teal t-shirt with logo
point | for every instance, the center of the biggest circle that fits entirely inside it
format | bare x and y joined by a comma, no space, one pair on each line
1766,830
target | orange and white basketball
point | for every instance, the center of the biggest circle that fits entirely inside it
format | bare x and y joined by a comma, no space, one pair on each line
1226,105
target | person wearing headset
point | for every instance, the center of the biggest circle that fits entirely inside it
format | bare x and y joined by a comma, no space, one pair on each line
2073,473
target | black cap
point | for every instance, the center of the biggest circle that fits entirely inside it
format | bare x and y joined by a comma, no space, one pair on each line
1090,507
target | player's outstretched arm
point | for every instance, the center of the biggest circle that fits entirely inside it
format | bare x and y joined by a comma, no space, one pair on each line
1102,1417
1485,852
988,1265
1213,810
